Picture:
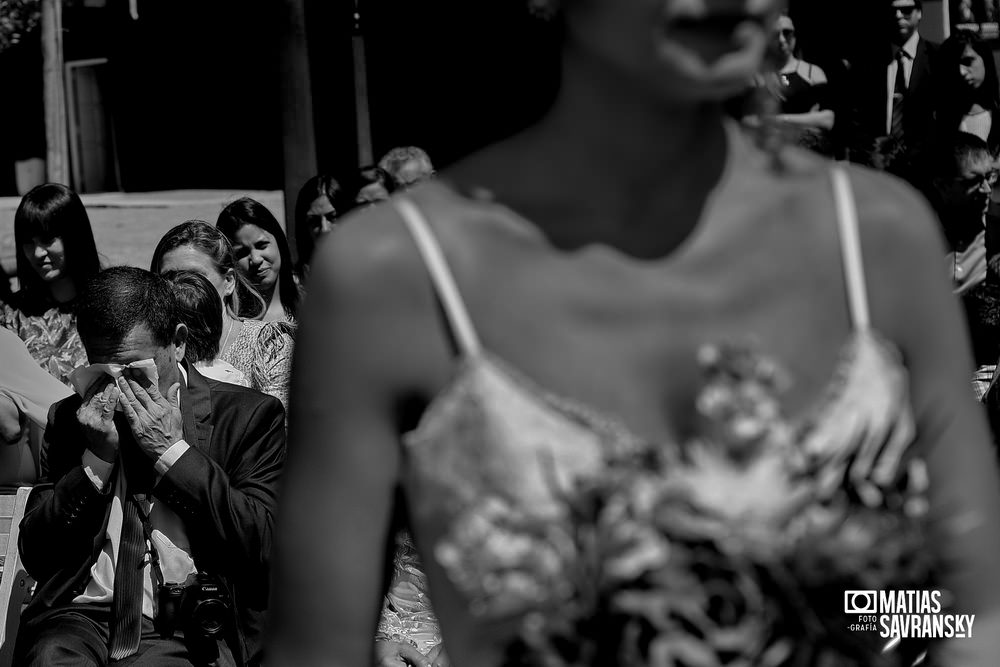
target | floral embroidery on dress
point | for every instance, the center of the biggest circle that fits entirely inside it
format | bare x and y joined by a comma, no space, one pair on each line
731,548
51,339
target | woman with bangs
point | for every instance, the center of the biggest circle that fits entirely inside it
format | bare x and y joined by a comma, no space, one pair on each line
56,256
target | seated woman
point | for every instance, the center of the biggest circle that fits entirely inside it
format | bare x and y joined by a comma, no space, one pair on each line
26,394
970,97
262,351
262,256
56,256
798,89
316,212
200,310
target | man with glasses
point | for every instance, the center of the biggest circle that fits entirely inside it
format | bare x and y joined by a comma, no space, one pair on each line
963,173
896,100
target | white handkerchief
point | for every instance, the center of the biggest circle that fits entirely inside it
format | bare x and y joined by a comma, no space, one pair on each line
83,377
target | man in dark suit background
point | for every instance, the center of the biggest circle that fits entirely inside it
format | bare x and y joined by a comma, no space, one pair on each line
895,92
154,472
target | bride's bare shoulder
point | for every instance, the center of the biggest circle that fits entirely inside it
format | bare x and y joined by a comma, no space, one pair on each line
890,211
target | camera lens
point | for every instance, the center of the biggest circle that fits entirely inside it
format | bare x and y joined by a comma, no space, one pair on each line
209,617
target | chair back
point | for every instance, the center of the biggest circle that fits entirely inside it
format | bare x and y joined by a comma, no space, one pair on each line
15,583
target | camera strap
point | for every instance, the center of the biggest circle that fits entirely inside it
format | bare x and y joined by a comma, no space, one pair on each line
147,530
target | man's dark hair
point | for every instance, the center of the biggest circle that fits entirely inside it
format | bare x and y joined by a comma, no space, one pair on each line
119,299
950,153
200,310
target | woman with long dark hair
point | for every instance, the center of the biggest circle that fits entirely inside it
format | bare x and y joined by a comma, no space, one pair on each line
56,256
970,98
262,351
262,256
316,211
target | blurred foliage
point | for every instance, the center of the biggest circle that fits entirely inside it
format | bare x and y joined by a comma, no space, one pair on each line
18,18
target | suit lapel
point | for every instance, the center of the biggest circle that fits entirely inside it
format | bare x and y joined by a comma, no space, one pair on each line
920,67
196,409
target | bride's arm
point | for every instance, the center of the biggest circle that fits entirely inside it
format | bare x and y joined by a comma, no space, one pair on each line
913,304
356,347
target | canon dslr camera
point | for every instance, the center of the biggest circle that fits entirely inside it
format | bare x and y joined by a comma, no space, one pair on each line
201,609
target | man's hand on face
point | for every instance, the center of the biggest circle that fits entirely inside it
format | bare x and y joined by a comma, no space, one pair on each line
155,420
96,416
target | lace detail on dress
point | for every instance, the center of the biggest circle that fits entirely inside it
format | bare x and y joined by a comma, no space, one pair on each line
262,351
534,493
51,339
407,615
573,542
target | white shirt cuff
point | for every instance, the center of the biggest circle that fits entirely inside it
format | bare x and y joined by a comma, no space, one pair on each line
98,470
169,458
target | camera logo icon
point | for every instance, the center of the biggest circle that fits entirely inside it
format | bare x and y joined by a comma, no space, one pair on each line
860,602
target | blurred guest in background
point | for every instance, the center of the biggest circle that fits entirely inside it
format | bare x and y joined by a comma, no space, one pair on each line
369,186
970,95
799,89
200,310
262,256
56,256
962,173
315,214
262,351
896,95
26,394
406,166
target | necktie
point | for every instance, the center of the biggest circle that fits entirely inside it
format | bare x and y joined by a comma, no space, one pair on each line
898,96
126,606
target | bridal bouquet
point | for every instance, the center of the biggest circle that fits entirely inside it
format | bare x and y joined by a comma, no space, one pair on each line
733,550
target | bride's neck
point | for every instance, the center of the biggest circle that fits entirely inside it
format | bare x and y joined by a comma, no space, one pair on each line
601,119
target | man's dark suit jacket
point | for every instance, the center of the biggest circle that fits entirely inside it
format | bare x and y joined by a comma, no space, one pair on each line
223,488
870,104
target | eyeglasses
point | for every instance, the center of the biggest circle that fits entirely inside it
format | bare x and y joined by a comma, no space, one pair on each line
981,180
905,11
787,33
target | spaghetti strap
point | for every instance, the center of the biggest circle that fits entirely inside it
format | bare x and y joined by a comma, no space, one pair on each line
850,248
441,276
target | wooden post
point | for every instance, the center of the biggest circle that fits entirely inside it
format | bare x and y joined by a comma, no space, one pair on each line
362,116
299,133
57,144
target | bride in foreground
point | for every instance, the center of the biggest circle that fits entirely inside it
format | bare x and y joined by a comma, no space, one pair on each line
643,392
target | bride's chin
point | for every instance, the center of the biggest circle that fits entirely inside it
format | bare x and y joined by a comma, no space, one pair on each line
694,77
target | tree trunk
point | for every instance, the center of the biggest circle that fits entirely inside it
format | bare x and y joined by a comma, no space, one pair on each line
299,143
57,151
